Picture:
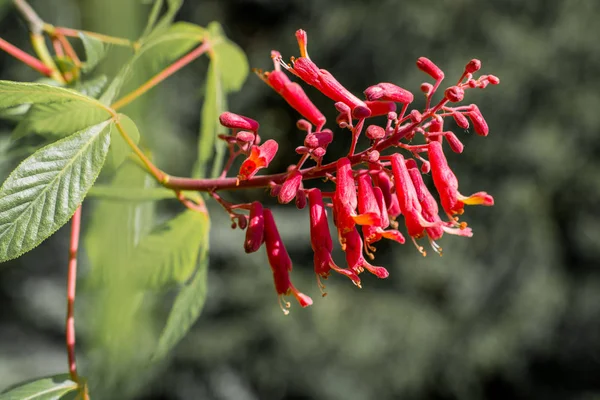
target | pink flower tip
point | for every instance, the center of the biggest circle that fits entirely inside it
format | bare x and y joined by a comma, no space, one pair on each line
236,121
473,66
427,66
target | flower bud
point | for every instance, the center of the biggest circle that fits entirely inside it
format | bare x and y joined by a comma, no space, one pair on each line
473,66
493,79
375,132
256,227
373,156
479,124
427,66
245,136
319,152
410,163
454,94
290,187
235,121
460,120
303,125
390,92
426,88
300,199
415,116
319,139
455,144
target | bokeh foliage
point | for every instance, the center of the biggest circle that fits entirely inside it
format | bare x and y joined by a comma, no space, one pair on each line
511,313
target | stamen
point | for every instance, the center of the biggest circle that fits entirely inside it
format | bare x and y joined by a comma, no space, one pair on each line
420,249
284,305
436,247
321,285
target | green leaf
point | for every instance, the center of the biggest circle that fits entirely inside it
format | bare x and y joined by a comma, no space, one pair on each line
17,93
154,29
118,225
230,59
186,308
155,55
59,119
214,104
44,191
152,18
227,72
95,51
169,254
48,388
119,149
93,87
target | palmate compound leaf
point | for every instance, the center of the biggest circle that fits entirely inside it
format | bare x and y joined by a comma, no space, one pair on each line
44,191
48,388
227,73
187,306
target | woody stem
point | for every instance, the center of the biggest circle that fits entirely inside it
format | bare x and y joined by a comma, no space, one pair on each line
71,282
213,185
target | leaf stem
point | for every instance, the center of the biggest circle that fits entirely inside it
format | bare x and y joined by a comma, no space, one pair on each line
25,58
162,75
158,174
71,286
36,24
103,38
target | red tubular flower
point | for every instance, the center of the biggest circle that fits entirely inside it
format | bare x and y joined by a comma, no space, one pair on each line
295,96
380,107
290,187
431,211
256,228
447,185
454,94
319,139
281,264
375,132
388,92
479,124
407,198
368,203
260,157
345,200
321,79
320,240
460,120
473,66
235,121
354,255
383,182
427,66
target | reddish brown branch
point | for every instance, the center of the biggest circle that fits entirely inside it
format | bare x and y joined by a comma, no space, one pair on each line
71,284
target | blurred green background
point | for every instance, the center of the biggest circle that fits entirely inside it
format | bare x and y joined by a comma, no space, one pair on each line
512,313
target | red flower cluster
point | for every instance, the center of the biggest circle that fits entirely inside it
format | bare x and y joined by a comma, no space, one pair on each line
371,190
